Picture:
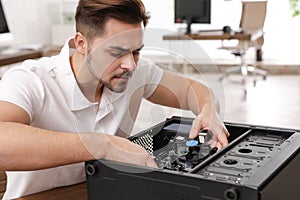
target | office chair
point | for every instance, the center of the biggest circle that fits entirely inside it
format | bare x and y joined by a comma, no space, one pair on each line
252,21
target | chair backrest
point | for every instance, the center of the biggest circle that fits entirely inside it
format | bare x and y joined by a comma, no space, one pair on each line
253,19
253,15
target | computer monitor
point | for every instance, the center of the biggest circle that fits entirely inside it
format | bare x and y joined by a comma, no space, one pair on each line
192,11
5,35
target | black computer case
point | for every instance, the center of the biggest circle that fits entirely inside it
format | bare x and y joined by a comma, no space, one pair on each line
260,162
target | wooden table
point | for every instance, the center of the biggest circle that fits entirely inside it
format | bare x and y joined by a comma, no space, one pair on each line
19,56
209,36
74,192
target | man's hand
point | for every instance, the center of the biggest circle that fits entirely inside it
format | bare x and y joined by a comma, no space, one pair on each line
117,149
194,96
213,123
121,149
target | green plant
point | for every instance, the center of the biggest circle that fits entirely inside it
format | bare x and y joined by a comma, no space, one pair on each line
295,7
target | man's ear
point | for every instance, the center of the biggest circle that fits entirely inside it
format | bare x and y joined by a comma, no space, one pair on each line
80,43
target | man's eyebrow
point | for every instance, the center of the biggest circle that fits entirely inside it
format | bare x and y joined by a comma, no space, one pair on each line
140,48
123,49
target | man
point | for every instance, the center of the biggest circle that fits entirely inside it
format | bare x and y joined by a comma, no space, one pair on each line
58,112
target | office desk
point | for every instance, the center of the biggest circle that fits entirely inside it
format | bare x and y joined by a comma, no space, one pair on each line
210,36
19,57
74,192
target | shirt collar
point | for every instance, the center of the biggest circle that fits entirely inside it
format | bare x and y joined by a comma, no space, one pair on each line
75,98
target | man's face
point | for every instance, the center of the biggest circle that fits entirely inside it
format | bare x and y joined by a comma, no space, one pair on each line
113,57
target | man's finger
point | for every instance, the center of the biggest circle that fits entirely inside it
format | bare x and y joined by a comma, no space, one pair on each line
151,163
195,129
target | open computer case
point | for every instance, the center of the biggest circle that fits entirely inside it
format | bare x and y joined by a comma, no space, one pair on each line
260,162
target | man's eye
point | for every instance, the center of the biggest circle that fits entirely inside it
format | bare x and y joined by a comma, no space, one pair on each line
116,54
120,54
136,53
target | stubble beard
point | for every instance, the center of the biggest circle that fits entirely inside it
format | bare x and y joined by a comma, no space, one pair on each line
120,85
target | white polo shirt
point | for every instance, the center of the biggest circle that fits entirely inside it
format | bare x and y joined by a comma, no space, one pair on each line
47,90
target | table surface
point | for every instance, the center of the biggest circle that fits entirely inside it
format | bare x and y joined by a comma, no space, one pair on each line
74,192
7,59
209,36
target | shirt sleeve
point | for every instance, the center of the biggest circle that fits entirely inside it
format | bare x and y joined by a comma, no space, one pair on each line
22,87
152,76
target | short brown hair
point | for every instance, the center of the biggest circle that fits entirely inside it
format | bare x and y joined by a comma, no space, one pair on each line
92,15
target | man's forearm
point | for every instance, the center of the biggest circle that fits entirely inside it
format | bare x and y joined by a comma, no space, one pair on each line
207,108
23,147
28,148
200,98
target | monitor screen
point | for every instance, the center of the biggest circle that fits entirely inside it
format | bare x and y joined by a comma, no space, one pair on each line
5,35
192,11
3,24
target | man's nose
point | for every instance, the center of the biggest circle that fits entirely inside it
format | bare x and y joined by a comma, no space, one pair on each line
128,62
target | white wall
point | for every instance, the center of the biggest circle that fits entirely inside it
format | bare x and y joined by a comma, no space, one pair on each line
222,13
30,20
282,38
162,17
